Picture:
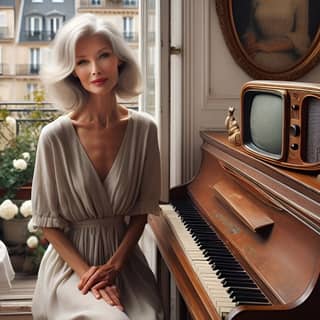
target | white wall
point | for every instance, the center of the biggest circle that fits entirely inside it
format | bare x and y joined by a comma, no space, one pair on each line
211,79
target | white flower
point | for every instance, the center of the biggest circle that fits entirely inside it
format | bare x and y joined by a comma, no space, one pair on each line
31,227
26,156
32,242
20,164
26,208
8,210
11,121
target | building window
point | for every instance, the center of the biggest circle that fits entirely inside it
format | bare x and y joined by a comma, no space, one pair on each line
57,0
35,27
130,2
34,60
1,65
4,30
53,25
34,1
32,88
128,28
95,2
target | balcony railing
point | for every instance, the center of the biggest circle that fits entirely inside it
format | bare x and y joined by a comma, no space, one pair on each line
29,35
131,36
4,69
27,69
109,4
24,113
5,33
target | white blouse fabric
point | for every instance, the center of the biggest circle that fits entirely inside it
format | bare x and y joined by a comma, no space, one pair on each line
67,193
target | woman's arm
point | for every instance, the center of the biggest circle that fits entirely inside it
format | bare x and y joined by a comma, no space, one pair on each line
66,250
100,276
71,256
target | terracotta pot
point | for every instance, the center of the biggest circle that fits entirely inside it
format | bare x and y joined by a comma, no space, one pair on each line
23,193
15,231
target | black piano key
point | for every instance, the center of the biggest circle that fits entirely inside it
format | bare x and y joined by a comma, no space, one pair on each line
240,286
234,283
242,299
244,302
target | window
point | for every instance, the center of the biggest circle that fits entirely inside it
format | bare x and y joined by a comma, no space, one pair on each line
130,2
128,28
96,2
34,60
34,1
57,0
32,88
1,60
4,30
35,27
53,25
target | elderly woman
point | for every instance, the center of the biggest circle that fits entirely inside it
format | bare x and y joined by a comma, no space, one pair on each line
97,177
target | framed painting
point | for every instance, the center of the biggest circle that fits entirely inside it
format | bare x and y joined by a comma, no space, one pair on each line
271,39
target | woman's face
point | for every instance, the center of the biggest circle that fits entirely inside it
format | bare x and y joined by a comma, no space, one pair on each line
96,65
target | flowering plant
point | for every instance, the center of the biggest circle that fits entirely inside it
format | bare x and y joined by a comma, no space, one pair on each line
17,157
34,244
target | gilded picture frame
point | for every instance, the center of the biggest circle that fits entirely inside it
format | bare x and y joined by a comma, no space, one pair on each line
239,19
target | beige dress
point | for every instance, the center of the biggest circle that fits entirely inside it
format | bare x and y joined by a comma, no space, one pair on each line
67,193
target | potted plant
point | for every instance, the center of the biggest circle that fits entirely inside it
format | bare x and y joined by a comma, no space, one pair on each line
17,157
24,241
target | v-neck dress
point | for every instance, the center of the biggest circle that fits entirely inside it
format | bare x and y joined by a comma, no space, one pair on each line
68,194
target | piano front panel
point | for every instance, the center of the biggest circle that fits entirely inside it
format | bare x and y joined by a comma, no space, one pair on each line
274,257
282,258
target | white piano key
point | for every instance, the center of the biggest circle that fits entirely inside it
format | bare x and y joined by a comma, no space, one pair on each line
207,276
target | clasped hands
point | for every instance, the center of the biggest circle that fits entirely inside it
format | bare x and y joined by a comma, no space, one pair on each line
100,280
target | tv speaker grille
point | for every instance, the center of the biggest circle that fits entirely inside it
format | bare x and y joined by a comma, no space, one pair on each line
313,131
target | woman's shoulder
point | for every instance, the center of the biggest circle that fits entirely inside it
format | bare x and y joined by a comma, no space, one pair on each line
53,129
144,119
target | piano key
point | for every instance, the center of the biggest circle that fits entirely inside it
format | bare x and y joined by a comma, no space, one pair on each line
206,275
229,272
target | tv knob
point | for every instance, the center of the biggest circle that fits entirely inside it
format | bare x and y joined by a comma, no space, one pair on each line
294,130
294,146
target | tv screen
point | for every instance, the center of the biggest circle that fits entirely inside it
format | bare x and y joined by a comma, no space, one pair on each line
266,123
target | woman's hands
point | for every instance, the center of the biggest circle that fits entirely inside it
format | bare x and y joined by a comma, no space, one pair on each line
111,295
100,280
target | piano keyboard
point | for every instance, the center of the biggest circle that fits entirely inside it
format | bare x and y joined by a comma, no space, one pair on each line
225,281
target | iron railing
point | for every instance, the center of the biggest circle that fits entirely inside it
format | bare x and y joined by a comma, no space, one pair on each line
26,112
5,33
109,4
32,35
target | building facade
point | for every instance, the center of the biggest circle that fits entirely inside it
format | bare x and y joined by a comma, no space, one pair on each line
28,26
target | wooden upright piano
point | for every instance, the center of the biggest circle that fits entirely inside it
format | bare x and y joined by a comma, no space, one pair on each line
242,239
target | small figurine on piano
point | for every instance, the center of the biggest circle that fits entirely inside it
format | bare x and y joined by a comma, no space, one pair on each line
232,127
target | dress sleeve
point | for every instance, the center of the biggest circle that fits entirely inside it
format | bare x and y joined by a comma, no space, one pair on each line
149,194
44,195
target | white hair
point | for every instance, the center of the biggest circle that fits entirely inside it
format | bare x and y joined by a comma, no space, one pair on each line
63,88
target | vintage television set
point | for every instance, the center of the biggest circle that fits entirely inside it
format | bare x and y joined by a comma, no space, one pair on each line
280,123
